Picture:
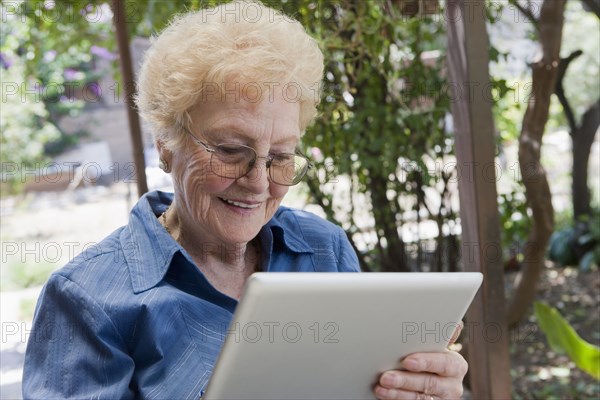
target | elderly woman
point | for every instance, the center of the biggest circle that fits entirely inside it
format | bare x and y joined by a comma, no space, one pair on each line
228,92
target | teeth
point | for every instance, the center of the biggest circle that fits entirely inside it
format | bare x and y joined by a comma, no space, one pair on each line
241,205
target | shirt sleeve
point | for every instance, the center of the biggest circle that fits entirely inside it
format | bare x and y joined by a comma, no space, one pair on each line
74,349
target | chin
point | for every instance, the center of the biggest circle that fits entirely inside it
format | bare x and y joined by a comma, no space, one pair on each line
238,226
239,235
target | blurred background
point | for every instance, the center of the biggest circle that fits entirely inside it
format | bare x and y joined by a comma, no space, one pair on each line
383,144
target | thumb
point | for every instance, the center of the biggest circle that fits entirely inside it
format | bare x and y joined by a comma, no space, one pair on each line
456,333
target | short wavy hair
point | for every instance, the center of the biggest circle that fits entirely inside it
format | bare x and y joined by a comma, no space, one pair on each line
242,45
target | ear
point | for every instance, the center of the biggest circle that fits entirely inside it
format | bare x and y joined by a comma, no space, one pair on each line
164,155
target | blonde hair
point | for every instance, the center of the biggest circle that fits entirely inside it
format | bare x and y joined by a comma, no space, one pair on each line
242,45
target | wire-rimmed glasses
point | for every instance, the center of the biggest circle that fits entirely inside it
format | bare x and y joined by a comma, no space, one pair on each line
234,161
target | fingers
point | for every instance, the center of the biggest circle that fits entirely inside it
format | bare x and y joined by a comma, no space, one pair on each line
395,394
446,364
456,333
427,375
417,385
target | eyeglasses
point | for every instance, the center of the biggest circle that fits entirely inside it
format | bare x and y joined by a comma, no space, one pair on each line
234,161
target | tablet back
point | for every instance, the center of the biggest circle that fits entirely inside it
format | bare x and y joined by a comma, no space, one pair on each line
330,335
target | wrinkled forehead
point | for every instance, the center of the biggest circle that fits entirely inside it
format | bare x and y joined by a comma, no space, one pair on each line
237,111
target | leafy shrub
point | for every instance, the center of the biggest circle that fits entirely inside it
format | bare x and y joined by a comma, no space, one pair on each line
579,244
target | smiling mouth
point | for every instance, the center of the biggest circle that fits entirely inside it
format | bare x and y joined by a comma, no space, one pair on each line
240,204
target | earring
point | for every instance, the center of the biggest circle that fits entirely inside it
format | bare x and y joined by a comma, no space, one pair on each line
162,164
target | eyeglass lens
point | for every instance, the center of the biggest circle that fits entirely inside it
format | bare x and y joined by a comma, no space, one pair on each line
234,161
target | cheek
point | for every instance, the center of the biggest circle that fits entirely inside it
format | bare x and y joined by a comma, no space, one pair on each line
214,184
198,179
278,191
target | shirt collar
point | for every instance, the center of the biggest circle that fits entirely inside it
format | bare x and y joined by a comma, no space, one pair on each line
149,249
287,235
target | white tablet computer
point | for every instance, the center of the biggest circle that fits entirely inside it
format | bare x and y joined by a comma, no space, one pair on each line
330,335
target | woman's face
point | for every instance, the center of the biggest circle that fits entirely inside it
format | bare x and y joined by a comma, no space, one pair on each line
223,210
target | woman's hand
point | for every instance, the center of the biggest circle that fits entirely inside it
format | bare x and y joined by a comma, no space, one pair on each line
426,376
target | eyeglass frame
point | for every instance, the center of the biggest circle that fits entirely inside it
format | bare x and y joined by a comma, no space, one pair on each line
269,159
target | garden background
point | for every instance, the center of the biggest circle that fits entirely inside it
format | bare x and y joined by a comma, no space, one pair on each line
383,145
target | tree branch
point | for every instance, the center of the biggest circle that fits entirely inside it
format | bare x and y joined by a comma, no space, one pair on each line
592,6
560,91
534,178
527,13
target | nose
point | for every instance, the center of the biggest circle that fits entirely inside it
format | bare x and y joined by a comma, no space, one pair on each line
257,179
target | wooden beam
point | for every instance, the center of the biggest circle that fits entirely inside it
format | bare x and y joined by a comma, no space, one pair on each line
481,251
129,91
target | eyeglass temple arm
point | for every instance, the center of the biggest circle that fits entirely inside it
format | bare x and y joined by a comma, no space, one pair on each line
300,153
206,146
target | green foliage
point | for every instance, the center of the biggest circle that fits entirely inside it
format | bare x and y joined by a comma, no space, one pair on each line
589,241
39,43
514,220
27,309
55,43
24,122
563,338
582,81
24,275
561,247
149,17
382,122
508,110
579,244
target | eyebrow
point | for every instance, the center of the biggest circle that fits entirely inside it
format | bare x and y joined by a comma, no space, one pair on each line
229,131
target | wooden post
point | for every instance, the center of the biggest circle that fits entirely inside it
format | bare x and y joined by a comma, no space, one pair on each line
481,251
129,91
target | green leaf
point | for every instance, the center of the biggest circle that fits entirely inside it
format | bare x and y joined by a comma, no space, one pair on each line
585,239
561,249
562,337
587,261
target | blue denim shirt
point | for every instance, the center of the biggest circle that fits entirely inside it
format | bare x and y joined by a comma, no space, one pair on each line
133,317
